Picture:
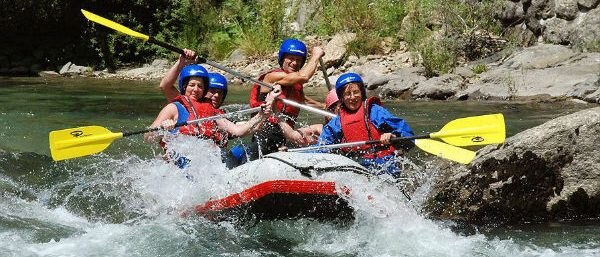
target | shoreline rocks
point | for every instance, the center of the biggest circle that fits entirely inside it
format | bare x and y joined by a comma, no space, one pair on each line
543,72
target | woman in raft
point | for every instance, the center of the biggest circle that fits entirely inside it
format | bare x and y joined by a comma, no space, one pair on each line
362,119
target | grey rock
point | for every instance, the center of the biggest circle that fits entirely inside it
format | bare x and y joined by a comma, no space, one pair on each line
557,31
145,73
534,26
335,49
464,72
541,9
587,30
561,77
378,81
586,88
401,82
510,12
549,172
370,72
161,63
237,56
439,88
304,11
593,97
566,9
588,4
72,69
538,57
48,73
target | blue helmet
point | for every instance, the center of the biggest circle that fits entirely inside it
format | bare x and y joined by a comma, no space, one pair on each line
347,78
293,47
192,70
218,81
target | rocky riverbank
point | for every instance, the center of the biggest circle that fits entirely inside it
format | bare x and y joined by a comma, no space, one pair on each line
538,73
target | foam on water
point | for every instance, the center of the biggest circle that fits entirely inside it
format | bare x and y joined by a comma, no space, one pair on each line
150,194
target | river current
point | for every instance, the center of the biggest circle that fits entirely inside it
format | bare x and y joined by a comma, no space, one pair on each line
125,201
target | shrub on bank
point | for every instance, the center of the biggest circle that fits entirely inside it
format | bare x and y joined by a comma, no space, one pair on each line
443,32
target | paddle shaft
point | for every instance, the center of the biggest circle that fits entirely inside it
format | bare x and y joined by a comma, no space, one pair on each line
352,144
243,77
324,70
179,124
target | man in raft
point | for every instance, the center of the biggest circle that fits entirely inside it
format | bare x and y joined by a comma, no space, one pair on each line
294,71
361,119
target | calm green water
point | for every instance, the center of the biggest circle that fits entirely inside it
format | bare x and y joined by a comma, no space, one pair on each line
121,202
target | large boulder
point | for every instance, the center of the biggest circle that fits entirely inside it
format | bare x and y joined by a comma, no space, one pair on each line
336,48
549,172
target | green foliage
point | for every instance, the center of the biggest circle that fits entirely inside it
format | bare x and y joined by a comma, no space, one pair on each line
439,57
364,45
371,20
479,68
390,15
592,46
216,29
444,32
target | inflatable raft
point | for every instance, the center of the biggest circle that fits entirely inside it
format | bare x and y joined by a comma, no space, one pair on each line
287,186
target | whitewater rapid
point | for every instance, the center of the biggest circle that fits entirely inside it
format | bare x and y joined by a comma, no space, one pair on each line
129,206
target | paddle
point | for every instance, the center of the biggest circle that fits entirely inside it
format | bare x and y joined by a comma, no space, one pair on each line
476,130
82,141
118,27
437,148
324,70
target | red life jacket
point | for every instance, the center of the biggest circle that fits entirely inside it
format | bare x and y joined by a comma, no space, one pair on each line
207,129
294,93
357,126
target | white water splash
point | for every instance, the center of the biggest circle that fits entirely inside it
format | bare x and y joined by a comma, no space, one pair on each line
386,224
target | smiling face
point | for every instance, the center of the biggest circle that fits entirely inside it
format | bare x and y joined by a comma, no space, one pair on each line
195,88
352,96
215,96
292,63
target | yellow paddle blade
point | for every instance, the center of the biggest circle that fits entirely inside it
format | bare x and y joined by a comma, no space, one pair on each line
446,151
82,141
477,130
113,25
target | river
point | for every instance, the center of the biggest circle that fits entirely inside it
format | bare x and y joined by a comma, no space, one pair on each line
124,201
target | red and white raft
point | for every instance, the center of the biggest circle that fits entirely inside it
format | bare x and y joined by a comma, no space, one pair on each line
287,186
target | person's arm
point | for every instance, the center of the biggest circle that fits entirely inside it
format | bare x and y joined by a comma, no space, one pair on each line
168,81
385,121
302,136
242,129
331,133
167,118
300,77
392,126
